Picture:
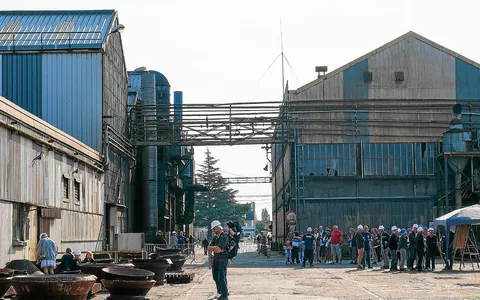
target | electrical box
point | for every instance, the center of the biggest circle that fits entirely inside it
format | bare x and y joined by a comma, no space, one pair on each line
399,76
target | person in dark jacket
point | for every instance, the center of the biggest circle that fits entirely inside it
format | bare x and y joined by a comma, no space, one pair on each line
411,247
448,260
384,245
393,246
420,247
205,244
68,262
360,246
432,249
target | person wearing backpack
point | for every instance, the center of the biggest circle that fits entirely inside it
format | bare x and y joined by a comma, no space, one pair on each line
219,247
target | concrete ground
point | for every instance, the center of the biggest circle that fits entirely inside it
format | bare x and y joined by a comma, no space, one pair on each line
258,277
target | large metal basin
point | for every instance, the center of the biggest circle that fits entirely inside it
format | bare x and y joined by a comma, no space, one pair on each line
127,274
128,289
6,273
53,287
96,269
159,267
5,284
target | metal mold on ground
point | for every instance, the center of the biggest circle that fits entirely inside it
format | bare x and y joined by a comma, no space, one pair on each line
53,287
175,278
22,267
128,289
96,269
5,284
159,267
127,274
162,251
178,260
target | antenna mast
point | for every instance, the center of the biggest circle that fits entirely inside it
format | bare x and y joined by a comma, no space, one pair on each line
283,70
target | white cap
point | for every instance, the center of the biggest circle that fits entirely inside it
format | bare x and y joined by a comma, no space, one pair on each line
77,252
360,227
420,229
174,232
394,228
216,223
309,229
415,226
381,227
430,229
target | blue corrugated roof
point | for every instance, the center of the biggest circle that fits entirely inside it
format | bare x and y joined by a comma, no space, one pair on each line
47,30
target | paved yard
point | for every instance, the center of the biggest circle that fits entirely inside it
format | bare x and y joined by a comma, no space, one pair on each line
257,277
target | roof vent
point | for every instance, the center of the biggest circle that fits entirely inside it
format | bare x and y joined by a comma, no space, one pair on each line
321,69
140,69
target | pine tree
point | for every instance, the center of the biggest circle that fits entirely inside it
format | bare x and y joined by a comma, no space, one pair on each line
219,202
265,215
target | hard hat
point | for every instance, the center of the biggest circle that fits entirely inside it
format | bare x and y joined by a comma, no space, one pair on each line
430,229
420,229
415,226
309,229
381,227
403,231
394,228
216,223
77,252
360,227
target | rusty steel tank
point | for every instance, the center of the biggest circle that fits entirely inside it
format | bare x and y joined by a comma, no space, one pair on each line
128,289
53,287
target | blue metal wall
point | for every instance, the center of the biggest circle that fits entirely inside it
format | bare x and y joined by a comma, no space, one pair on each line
72,95
467,79
354,87
22,81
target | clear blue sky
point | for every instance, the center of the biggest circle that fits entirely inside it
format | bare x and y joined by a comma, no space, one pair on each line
216,51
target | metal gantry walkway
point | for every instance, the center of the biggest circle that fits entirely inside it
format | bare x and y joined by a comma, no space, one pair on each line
241,180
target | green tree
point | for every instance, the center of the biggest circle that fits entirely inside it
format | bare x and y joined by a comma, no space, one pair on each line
219,202
265,215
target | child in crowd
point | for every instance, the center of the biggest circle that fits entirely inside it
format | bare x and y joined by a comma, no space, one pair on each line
288,252
302,249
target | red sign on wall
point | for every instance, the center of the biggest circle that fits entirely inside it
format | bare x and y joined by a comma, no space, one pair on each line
291,217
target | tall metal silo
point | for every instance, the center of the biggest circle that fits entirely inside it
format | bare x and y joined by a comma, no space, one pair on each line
149,161
457,140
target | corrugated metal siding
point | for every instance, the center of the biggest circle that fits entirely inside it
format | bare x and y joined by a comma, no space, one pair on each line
92,28
467,78
6,232
72,95
348,213
39,181
22,81
80,226
429,73
354,87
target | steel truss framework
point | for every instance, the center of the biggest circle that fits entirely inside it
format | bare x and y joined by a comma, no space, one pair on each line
274,122
241,180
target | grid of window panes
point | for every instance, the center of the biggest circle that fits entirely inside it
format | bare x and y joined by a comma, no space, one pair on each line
424,158
330,160
388,159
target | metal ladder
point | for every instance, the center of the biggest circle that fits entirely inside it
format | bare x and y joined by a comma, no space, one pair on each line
300,177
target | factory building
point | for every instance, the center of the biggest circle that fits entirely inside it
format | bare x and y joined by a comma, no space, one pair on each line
368,146
68,69
163,185
49,182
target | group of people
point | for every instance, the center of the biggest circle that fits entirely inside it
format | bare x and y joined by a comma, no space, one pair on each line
47,257
401,250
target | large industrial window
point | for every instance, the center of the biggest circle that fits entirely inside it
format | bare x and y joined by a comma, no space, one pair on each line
18,222
424,158
388,159
329,160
